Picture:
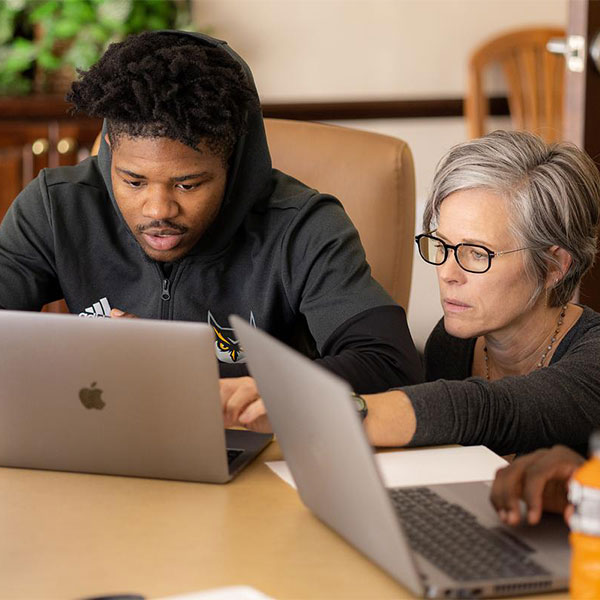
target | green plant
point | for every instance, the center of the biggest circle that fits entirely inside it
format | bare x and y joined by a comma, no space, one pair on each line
41,37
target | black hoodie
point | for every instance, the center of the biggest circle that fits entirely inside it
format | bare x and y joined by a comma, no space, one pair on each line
279,254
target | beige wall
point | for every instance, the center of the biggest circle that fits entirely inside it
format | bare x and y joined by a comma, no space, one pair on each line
350,49
309,50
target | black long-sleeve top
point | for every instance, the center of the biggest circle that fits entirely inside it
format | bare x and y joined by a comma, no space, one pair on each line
556,404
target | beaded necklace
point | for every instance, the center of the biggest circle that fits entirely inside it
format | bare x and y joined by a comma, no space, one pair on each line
540,364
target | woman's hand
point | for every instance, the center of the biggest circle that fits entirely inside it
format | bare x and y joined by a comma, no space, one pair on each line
540,479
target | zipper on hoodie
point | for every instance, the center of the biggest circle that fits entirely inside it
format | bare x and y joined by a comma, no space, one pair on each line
166,294
165,297
165,291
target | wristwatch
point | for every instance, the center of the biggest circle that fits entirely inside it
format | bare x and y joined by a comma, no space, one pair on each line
361,406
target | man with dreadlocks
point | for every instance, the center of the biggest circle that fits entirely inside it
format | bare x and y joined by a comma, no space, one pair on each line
180,216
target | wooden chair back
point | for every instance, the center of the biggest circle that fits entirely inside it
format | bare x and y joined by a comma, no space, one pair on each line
534,78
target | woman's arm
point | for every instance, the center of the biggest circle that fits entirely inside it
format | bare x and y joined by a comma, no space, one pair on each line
559,404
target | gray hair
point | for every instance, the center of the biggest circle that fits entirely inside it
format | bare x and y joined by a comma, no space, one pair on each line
553,194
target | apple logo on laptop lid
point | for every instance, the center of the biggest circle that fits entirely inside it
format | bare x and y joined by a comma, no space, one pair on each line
92,397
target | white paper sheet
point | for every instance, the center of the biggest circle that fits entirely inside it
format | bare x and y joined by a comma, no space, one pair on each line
425,466
234,592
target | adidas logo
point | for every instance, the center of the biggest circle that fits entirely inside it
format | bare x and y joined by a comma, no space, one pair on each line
98,310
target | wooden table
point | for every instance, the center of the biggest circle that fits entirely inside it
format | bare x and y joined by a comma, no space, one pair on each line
67,535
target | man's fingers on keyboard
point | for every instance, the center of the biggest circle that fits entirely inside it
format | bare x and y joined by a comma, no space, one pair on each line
534,482
545,484
507,489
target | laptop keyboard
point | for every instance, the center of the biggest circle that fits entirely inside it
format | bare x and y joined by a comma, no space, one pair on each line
451,538
232,454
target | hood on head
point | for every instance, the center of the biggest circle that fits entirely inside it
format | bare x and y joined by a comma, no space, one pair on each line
249,178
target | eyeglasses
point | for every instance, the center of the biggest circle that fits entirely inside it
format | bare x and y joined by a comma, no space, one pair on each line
470,257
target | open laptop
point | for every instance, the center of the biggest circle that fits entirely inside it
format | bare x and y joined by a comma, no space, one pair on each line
442,541
121,397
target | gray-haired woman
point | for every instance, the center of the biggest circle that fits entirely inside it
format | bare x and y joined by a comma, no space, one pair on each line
511,224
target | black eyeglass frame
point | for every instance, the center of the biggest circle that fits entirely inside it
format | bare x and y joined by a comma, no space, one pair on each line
490,253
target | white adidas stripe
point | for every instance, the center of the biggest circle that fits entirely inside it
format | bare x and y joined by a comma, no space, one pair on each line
105,306
98,310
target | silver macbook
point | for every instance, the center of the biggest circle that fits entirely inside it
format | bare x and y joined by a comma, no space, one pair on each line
120,397
439,541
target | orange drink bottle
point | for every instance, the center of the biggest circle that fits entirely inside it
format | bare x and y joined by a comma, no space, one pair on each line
584,495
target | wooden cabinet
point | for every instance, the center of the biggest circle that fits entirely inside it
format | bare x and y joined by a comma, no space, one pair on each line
38,132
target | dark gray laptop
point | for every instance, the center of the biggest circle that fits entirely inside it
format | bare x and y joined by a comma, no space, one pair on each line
440,541
121,397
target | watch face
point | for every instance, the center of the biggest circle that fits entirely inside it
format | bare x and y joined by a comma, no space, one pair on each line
361,406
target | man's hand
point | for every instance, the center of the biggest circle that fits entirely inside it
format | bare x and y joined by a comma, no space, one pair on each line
540,479
242,404
117,313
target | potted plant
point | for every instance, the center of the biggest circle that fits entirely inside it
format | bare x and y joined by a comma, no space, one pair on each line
42,42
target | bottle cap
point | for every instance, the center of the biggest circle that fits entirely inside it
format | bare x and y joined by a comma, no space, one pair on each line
595,443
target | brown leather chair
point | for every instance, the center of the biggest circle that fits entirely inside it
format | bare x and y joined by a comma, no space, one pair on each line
534,79
373,177
371,174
